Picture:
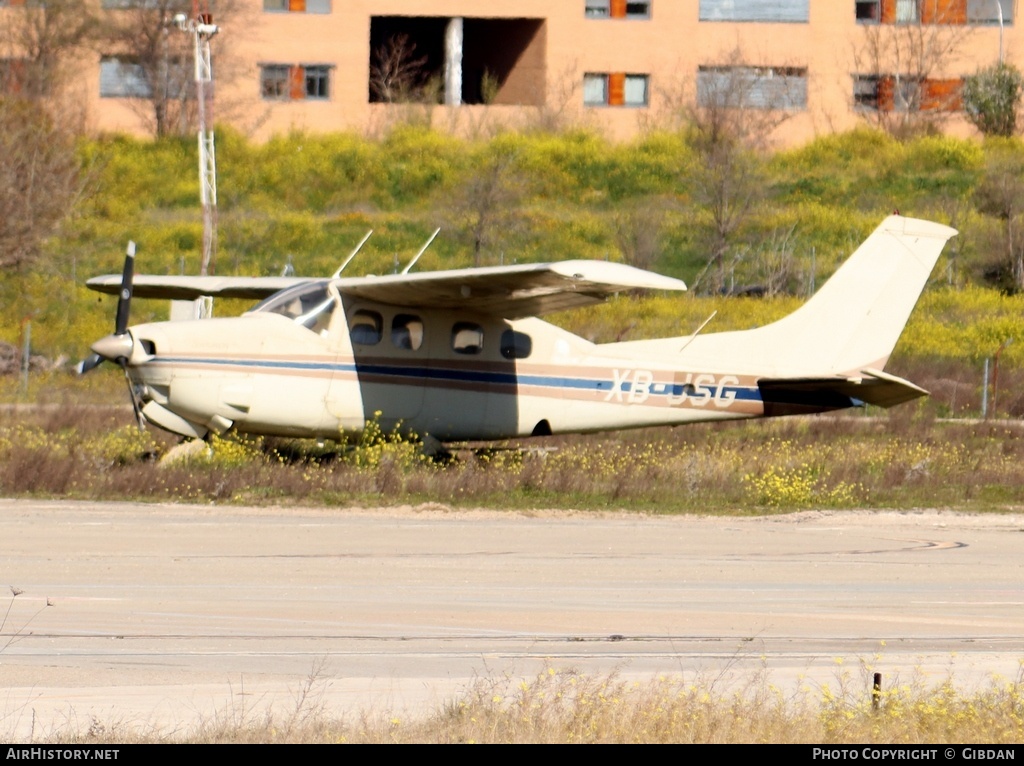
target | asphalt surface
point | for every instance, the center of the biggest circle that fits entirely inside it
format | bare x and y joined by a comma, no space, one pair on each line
162,616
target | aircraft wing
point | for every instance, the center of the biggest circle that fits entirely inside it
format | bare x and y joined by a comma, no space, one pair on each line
184,288
511,292
797,395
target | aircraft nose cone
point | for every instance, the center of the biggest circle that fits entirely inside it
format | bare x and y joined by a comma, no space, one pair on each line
114,347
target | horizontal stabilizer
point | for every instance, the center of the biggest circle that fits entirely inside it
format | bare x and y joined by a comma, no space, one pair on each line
791,396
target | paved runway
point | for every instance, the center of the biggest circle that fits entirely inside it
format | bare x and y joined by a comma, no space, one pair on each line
161,615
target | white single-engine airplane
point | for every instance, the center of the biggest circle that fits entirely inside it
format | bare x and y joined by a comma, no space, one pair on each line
460,355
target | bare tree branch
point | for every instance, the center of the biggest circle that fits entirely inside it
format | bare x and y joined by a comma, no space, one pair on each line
730,123
40,179
899,81
487,205
1001,194
143,36
397,74
45,39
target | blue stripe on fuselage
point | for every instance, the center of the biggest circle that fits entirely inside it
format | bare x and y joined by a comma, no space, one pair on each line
402,373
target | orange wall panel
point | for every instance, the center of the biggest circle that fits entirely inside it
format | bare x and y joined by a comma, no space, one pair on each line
888,11
944,12
297,82
941,96
616,88
886,94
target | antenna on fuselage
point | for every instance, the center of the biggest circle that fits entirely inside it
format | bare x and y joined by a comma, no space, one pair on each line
421,252
351,255
695,334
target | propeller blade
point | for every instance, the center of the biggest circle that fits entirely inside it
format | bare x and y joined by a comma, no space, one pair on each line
136,408
118,346
89,363
124,300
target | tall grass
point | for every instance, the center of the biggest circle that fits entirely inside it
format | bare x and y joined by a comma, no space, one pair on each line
904,458
565,706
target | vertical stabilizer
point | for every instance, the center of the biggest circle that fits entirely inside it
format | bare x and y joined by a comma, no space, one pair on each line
857,316
851,324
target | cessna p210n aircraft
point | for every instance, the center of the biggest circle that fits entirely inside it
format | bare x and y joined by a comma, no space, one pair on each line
461,355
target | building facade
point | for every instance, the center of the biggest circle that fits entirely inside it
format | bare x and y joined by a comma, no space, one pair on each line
619,66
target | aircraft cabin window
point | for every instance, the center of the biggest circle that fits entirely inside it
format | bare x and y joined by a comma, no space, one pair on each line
407,331
318,318
515,345
310,304
467,338
365,327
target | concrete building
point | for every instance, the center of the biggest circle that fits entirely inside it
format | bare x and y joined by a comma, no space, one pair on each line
621,66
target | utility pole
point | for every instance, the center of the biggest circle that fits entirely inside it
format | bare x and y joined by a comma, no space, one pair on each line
999,10
202,30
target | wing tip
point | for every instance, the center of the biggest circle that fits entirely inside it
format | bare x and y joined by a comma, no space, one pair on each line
917,227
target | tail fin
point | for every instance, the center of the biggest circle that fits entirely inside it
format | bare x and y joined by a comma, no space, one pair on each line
852,323
855,319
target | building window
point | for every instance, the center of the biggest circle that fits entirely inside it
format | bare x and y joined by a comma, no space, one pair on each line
949,12
892,93
635,90
421,59
12,75
865,92
284,82
616,9
868,11
745,87
906,95
123,79
317,80
787,11
908,12
112,5
274,79
987,11
297,6
24,77
886,93
615,89
595,89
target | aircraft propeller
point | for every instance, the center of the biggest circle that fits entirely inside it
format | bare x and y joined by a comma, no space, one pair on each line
118,346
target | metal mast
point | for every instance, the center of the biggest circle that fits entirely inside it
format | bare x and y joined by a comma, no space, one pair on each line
202,30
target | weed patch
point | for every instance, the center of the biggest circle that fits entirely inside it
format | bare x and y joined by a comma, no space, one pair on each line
897,461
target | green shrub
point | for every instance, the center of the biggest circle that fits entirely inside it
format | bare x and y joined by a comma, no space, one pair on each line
415,163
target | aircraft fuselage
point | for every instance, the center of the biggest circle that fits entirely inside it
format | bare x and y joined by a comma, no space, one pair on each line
463,376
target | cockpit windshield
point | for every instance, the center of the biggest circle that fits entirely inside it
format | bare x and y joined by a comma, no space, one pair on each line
310,304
